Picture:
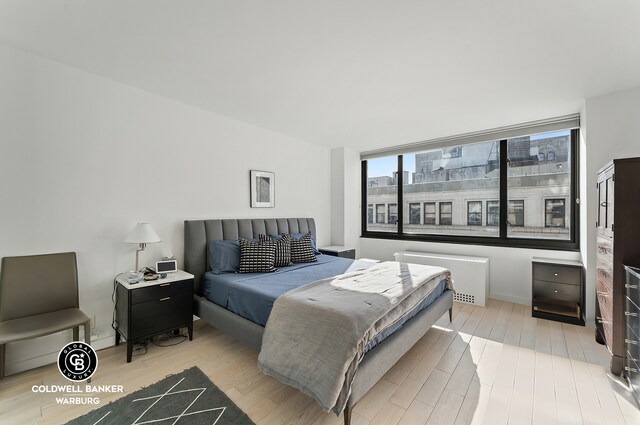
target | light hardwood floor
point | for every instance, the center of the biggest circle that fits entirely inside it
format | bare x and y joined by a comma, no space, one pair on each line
493,365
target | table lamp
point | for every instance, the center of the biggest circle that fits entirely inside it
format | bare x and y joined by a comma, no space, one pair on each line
142,234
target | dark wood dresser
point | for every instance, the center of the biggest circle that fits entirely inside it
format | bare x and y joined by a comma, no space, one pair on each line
618,228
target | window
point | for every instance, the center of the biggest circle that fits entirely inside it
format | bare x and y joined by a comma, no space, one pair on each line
450,176
445,213
493,213
380,213
474,213
414,213
392,214
382,191
554,213
429,213
515,214
370,213
494,192
528,185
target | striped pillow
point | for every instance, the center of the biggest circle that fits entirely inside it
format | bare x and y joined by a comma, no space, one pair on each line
283,249
257,257
302,250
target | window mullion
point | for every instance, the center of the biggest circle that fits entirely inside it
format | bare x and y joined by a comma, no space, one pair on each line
400,222
503,188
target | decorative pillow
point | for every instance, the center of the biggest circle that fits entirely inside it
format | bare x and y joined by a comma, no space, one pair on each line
224,256
283,249
299,235
302,251
257,257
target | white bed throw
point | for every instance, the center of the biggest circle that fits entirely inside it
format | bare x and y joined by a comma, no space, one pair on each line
316,334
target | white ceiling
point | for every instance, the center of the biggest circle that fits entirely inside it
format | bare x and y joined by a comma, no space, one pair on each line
364,74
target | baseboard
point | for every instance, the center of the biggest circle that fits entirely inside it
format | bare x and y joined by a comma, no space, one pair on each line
510,298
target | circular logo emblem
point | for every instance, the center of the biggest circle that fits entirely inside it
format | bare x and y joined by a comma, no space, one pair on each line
77,361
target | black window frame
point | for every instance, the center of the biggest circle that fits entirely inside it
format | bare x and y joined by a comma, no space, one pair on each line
573,244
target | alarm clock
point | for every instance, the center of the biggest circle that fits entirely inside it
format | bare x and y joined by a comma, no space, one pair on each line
166,266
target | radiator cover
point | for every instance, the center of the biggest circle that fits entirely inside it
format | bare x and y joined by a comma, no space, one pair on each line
470,274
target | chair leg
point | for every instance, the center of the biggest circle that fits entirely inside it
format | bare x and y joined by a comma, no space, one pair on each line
76,333
2,361
87,338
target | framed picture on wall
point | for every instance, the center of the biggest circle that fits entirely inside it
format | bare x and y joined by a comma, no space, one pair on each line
262,189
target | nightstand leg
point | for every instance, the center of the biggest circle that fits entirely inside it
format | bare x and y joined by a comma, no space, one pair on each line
190,328
117,338
129,351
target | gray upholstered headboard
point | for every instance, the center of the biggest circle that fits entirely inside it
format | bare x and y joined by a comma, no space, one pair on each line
198,233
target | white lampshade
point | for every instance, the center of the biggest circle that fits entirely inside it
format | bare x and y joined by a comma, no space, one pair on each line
142,233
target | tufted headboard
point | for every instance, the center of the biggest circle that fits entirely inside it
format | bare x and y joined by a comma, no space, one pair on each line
198,233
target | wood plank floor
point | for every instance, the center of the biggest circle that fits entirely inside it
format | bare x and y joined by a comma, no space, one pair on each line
494,365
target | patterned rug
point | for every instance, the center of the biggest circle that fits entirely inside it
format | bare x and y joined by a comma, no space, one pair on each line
188,397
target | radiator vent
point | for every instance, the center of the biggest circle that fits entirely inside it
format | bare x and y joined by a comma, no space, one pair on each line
464,298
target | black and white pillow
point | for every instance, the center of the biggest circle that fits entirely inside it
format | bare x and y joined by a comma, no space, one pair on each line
302,250
257,257
283,249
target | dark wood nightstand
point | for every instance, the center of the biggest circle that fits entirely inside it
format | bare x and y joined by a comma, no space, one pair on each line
339,251
146,309
558,290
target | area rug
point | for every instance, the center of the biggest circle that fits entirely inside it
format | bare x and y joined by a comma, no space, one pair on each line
188,397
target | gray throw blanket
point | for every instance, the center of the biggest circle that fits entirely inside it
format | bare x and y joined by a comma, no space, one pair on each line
316,334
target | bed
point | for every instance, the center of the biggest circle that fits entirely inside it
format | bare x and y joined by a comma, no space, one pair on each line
376,361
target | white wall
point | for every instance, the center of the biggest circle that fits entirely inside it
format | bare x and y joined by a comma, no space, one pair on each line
612,131
345,197
82,159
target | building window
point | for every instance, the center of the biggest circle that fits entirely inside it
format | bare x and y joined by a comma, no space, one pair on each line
373,183
493,213
515,176
380,213
414,213
429,213
370,213
446,209
474,213
392,214
554,213
515,214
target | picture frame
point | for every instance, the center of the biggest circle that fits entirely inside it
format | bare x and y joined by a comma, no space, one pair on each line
262,189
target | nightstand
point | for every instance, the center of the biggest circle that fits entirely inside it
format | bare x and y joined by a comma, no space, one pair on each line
558,290
339,251
146,309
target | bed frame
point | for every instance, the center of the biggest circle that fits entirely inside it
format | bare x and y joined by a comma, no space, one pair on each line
376,362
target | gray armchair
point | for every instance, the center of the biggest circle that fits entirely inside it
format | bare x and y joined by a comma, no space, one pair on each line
39,296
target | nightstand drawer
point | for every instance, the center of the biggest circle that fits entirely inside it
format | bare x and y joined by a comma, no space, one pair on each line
161,290
160,315
543,290
559,274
